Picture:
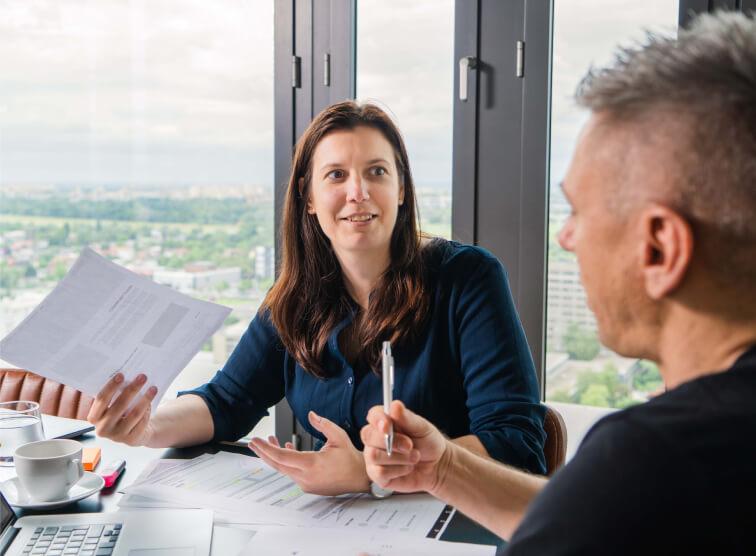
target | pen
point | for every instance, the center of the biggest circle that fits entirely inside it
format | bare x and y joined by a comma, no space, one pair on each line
388,388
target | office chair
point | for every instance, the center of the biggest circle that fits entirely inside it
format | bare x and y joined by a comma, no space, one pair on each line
555,448
53,398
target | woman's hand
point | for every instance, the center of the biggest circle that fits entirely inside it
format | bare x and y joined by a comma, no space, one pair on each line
420,453
337,468
116,417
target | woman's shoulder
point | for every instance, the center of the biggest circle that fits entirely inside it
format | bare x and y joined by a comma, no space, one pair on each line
452,257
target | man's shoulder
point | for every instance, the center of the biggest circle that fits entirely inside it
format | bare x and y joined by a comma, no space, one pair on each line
697,422
659,470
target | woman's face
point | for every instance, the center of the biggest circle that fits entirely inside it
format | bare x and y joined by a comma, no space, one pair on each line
356,190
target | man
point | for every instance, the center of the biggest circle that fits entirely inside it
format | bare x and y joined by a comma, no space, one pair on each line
663,193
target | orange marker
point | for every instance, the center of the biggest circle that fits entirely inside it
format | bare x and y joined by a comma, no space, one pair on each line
90,458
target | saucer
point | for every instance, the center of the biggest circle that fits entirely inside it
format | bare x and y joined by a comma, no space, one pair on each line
17,496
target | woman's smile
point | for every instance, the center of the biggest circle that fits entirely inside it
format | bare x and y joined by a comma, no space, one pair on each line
359,219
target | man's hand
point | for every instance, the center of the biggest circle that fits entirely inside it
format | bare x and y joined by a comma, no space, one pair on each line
338,468
420,455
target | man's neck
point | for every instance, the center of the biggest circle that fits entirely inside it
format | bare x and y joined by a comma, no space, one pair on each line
691,346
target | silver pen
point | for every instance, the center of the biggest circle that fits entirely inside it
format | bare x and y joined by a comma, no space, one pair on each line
388,388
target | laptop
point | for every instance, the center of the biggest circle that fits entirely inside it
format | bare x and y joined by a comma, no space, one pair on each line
128,533
63,427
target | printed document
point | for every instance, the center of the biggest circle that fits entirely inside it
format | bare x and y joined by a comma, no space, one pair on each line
324,542
101,319
254,492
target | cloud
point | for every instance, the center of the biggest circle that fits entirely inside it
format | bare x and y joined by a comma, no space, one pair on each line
179,91
587,33
136,83
405,62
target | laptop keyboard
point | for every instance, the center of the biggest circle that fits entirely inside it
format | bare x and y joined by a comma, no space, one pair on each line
70,540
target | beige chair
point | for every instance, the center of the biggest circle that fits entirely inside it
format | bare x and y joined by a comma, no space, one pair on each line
556,440
53,398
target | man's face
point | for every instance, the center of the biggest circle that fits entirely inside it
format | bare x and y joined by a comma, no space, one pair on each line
603,235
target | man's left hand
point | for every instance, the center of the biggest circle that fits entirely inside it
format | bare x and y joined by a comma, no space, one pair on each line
338,467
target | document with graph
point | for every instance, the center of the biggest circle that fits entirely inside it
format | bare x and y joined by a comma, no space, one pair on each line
250,489
101,319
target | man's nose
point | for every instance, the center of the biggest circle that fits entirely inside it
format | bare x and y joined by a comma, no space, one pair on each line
357,189
565,235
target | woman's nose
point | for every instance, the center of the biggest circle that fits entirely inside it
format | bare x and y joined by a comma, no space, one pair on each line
357,190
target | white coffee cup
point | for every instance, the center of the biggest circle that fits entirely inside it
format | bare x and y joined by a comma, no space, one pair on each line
49,468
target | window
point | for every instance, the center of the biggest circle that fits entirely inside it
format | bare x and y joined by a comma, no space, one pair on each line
144,130
405,54
578,368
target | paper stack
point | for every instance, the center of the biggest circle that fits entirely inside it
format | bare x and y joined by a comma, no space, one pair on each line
245,490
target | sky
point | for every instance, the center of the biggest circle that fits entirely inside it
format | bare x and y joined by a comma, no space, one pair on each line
174,92
159,92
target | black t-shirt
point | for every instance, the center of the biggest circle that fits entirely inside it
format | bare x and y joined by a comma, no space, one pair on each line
676,475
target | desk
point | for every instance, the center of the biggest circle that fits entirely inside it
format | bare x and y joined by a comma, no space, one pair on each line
460,528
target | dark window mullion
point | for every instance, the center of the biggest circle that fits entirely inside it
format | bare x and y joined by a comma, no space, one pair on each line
465,132
284,140
501,148
306,29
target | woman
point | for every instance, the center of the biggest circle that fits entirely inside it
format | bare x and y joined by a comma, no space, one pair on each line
355,272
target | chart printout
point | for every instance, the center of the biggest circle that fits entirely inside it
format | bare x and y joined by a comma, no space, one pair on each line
248,486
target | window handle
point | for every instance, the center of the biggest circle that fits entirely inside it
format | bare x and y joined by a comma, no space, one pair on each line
465,63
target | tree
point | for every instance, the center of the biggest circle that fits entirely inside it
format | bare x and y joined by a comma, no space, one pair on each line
597,395
580,343
560,396
9,277
604,388
59,272
647,378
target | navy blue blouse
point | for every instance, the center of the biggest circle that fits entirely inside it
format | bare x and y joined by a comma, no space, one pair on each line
471,372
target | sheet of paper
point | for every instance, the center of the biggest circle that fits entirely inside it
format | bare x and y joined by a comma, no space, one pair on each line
250,489
155,468
326,542
230,541
102,318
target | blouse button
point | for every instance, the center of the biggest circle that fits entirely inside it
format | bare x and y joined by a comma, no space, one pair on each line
350,380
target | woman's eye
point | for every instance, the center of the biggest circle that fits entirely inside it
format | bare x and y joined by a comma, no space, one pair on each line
378,171
336,174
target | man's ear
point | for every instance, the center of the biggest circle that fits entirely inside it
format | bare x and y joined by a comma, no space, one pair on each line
667,250
310,208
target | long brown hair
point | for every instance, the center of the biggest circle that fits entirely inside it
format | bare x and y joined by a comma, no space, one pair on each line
309,297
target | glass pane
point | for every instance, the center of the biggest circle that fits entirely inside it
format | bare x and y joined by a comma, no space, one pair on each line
405,54
578,368
144,130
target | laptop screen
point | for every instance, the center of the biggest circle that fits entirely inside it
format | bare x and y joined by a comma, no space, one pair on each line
7,517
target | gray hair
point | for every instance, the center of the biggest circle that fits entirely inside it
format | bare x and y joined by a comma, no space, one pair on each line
704,83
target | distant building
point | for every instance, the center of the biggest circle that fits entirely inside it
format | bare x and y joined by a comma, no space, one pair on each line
566,303
197,280
224,340
264,262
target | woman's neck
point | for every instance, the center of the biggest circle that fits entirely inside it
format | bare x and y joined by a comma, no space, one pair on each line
361,273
